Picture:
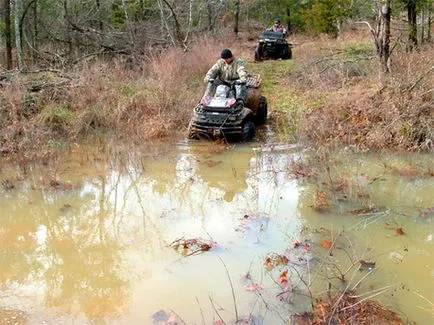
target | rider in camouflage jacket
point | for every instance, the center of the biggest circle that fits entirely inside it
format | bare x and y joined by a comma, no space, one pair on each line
227,69
277,27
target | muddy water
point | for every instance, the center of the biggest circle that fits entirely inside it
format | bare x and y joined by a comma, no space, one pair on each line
200,232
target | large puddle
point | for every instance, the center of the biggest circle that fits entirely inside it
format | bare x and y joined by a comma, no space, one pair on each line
205,234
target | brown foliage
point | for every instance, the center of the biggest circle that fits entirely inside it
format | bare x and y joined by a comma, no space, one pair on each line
348,105
152,99
347,309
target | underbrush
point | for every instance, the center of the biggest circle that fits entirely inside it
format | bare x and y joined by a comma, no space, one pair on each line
152,99
330,92
350,102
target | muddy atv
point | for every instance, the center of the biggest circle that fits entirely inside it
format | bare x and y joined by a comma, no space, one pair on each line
222,116
273,45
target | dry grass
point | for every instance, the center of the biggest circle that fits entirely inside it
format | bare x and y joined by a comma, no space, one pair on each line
152,99
331,92
348,309
350,103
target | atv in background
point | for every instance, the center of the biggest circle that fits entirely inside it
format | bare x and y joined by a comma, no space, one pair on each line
222,116
273,45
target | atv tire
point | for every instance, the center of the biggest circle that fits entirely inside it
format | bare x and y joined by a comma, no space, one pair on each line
261,114
248,131
191,134
258,56
286,53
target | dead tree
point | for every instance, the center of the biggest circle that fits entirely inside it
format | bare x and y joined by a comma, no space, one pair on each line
381,35
384,36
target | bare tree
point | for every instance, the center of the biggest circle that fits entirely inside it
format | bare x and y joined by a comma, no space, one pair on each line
18,33
8,36
237,16
412,24
128,23
384,36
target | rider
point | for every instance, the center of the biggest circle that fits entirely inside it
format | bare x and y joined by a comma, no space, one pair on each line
226,70
277,27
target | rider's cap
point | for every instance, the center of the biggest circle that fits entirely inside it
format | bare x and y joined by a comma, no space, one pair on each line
277,20
226,54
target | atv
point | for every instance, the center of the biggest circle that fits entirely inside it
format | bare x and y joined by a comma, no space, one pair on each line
273,45
222,116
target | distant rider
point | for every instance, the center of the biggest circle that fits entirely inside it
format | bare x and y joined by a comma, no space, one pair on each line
226,70
277,27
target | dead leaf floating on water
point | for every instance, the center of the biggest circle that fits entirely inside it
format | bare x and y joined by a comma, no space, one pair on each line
192,246
366,266
213,163
326,243
399,231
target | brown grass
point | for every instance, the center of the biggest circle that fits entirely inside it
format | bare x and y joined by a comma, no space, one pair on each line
152,99
334,95
351,103
348,309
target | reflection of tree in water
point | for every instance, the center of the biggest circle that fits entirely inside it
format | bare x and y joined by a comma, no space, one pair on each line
223,168
69,250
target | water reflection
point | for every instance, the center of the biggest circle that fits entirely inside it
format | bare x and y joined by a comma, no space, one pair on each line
86,238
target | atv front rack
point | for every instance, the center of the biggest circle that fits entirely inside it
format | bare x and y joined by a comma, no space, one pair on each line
254,81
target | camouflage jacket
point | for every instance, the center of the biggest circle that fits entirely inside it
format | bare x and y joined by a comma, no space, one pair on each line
227,72
279,29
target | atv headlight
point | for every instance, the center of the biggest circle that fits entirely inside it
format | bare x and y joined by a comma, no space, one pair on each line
232,118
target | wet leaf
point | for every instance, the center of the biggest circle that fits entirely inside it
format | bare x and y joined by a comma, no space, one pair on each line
160,316
363,211
367,266
326,243
268,263
399,231
213,163
252,287
172,320
283,277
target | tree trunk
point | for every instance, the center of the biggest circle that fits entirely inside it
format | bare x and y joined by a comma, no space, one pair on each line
142,9
8,35
19,49
35,25
128,22
412,24
100,24
384,36
428,36
209,15
288,13
422,27
237,16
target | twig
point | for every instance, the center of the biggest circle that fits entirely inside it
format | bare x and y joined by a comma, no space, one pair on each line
216,311
201,311
178,317
362,300
364,277
371,292
420,78
232,289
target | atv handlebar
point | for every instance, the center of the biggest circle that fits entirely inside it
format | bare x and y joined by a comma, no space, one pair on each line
230,83
236,82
